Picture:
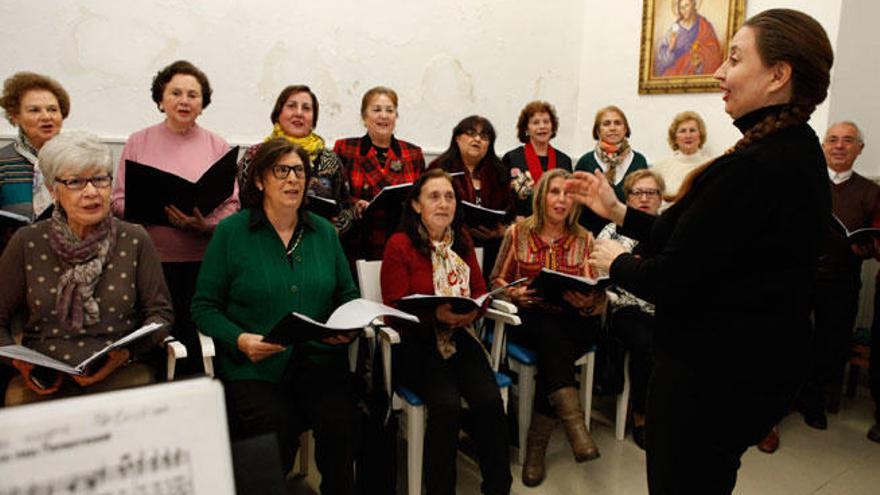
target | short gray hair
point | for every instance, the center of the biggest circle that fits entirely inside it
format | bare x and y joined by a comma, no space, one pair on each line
74,152
850,123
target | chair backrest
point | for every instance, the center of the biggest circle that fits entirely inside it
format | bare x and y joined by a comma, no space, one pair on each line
369,279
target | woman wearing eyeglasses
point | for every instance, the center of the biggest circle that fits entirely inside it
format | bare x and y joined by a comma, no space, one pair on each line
480,179
632,318
178,145
83,279
270,259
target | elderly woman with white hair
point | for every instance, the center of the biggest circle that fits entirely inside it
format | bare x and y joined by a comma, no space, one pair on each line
82,279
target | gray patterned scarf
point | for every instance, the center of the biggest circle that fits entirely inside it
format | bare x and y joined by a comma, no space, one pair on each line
82,263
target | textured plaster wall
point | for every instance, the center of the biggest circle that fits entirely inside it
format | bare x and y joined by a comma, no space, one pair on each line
446,58
854,86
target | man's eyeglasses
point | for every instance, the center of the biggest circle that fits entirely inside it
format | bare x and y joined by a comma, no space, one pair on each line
648,193
79,183
282,171
484,135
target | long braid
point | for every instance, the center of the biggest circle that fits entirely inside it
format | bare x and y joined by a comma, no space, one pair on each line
788,116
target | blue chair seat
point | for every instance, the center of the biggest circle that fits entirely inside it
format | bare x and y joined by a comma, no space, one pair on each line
409,396
522,354
503,380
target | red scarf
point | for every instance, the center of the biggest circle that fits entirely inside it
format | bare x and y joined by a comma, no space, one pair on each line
535,164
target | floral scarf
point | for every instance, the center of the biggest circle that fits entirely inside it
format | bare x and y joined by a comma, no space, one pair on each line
41,197
612,155
313,143
451,278
82,263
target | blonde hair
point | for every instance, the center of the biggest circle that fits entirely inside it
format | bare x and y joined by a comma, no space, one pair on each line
681,118
535,222
640,174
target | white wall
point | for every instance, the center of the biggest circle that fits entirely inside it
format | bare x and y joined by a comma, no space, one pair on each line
857,70
446,58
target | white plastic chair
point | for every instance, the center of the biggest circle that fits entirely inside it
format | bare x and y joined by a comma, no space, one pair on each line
405,400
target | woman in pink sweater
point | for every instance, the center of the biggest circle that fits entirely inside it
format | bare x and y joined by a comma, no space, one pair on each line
179,146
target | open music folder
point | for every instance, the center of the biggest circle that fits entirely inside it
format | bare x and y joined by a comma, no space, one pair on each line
149,190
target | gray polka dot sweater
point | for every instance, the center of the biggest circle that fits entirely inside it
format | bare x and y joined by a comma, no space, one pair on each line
131,293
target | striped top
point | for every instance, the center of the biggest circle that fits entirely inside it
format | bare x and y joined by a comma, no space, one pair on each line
16,182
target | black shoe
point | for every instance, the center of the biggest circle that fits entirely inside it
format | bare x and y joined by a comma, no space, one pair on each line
874,433
816,420
639,436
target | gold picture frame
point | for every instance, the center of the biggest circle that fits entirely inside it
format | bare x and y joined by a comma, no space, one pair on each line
684,42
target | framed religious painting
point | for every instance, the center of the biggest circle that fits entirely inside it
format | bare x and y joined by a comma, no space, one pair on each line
684,42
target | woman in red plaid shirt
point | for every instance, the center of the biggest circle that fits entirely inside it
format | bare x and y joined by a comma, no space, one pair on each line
373,162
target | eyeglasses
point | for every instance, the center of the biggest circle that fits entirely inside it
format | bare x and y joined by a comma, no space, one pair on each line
282,171
79,183
648,193
484,135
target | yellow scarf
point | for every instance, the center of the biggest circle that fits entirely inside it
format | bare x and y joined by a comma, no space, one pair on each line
312,143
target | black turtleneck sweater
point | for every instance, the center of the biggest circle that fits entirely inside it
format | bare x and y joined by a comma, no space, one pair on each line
731,267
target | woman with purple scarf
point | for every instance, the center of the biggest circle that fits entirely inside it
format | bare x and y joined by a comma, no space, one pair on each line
82,279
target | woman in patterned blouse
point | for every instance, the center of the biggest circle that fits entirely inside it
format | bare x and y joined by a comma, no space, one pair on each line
373,162
552,238
632,318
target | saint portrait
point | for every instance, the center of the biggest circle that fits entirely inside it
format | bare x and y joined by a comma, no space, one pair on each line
684,43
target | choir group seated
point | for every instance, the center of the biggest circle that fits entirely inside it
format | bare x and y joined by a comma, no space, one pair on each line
186,235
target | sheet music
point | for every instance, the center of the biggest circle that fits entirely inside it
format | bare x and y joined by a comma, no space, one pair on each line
359,313
165,439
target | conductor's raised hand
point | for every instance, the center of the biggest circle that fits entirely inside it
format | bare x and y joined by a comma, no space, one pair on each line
593,191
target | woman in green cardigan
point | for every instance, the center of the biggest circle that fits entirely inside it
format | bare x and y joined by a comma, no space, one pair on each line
263,262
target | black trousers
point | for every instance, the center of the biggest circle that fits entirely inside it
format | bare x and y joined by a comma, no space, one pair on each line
316,397
181,279
442,384
874,363
636,329
558,340
698,425
835,308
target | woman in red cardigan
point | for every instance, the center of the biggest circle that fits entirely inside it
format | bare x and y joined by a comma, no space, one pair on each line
441,358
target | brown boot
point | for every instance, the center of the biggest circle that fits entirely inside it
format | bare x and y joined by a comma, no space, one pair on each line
536,446
568,407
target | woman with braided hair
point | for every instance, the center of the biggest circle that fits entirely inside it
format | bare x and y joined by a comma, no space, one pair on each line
730,266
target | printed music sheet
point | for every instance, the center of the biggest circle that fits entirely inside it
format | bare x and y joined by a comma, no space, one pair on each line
164,439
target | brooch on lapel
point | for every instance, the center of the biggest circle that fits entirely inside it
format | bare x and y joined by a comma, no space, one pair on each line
396,166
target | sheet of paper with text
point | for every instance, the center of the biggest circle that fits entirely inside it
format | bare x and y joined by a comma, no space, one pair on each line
168,438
